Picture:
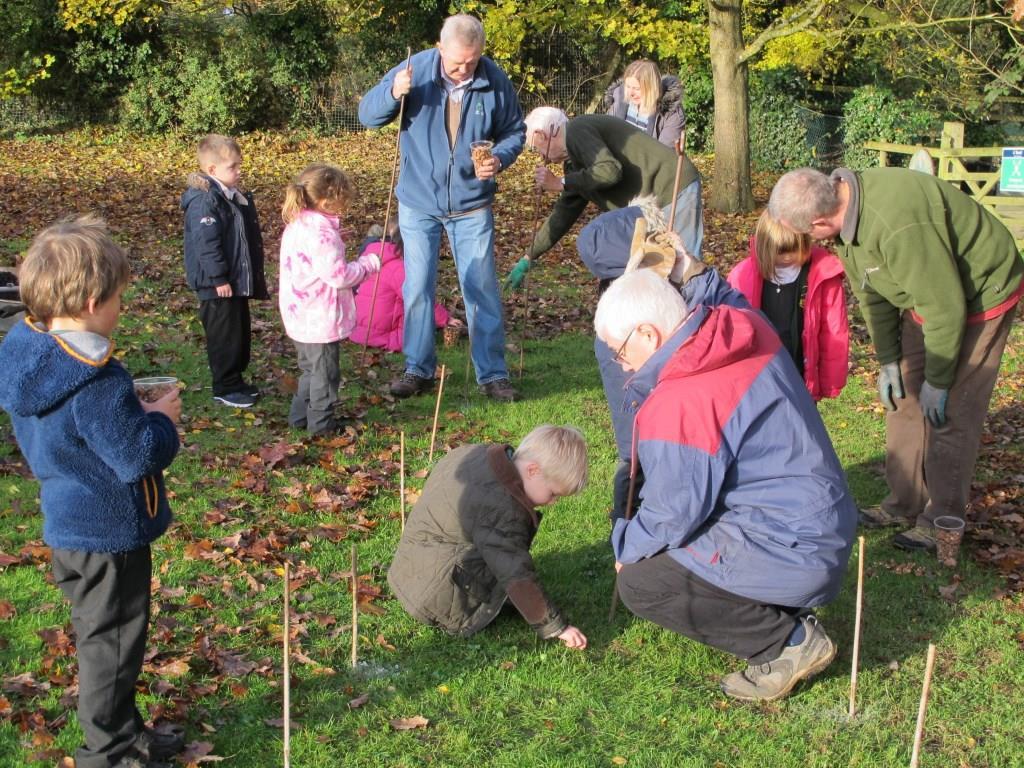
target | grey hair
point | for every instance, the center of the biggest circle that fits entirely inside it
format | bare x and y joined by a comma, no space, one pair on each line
801,196
464,29
651,211
543,118
636,298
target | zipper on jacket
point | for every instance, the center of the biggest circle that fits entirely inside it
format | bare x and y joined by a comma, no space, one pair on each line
455,143
864,280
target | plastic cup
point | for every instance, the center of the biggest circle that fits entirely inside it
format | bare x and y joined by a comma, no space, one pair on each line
949,532
481,153
152,388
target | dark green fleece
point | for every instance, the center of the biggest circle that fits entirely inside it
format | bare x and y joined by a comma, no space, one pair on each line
610,163
918,243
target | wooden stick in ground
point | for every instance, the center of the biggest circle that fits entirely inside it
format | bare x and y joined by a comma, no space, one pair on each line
387,213
355,609
526,277
629,516
856,626
915,755
437,411
401,476
286,668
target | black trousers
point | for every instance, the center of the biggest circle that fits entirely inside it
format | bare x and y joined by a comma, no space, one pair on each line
109,596
228,341
661,590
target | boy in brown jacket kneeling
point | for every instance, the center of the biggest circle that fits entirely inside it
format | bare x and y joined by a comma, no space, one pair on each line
466,544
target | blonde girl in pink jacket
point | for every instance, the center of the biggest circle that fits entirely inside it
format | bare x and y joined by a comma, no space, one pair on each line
316,296
799,287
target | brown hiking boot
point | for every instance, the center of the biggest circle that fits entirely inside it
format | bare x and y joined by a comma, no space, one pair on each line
775,679
500,390
879,517
409,384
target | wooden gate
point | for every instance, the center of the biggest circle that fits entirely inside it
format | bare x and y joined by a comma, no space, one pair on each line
949,164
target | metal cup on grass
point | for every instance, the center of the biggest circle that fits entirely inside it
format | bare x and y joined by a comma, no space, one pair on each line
949,532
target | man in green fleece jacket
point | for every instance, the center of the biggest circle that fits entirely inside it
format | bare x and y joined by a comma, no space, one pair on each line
465,549
607,162
937,277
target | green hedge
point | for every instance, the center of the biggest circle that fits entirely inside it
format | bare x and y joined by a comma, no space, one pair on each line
877,114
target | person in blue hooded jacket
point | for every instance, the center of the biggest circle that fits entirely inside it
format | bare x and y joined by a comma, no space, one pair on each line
454,96
745,521
99,454
604,247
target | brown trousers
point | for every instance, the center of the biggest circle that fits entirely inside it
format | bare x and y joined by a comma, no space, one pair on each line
929,470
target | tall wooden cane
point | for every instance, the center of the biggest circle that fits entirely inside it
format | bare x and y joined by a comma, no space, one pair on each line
923,706
680,154
629,516
526,277
856,627
286,685
387,213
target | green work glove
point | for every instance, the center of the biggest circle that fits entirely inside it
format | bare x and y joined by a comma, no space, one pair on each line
518,274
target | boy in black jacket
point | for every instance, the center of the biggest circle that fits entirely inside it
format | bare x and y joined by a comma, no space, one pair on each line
224,264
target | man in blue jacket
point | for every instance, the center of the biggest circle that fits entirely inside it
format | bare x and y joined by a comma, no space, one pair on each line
454,96
745,522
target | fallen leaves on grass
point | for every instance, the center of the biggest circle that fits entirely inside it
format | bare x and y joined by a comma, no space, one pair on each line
409,723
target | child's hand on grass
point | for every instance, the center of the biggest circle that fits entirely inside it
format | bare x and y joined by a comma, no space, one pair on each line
573,638
169,405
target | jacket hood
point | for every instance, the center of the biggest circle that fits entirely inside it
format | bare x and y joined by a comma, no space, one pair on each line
41,369
725,337
671,94
603,244
199,184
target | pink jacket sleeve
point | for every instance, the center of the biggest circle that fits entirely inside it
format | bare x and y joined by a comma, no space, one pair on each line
833,338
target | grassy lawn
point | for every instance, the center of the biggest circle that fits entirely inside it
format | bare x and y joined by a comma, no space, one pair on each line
248,493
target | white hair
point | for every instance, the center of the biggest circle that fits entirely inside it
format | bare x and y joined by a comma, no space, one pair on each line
636,298
463,29
545,118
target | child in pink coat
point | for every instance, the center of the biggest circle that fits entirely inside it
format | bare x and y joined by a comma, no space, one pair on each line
389,311
800,289
316,301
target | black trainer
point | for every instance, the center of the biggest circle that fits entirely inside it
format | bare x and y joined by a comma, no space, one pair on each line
409,384
236,400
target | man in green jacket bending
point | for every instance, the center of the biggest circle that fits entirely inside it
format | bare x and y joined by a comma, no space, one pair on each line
607,162
937,277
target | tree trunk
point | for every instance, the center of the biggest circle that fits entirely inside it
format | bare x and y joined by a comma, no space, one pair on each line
731,191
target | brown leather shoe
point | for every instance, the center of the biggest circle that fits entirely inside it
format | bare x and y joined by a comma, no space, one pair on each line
500,390
409,384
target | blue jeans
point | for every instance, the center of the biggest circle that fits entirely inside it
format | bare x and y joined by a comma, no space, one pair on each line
689,221
472,241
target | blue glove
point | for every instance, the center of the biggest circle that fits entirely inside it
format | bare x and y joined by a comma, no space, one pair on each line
933,404
890,385
518,273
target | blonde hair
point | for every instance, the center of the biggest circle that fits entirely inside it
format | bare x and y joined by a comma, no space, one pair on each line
321,186
649,76
561,454
214,147
70,263
773,239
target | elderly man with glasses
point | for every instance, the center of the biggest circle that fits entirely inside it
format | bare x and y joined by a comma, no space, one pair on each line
745,522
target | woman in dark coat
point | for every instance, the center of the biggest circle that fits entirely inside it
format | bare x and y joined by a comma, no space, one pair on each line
650,101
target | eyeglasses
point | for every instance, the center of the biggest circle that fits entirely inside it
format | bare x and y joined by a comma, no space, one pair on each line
622,350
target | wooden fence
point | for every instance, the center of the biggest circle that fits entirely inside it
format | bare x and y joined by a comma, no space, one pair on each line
950,162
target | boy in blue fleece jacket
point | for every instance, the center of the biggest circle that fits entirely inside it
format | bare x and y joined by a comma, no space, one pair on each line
99,454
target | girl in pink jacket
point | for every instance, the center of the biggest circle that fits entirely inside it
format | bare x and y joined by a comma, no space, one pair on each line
389,310
316,300
800,290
